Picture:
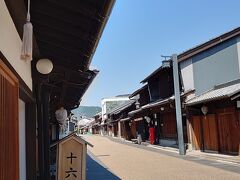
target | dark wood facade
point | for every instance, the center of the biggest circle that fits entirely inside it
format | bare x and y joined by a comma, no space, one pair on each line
9,120
160,88
219,130
126,129
156,104
160,85
17,90
168,125
96,128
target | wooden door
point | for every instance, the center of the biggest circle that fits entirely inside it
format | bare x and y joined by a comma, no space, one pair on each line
169,126
210,132
224,133
133,130
236,133
196,132
9,137
228,133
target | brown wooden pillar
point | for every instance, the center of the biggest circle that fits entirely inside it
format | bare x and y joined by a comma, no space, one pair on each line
9,129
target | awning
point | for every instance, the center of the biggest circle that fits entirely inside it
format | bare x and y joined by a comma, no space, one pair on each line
218,92
138,119
158,103
122,107
116,120
68,34
151,105
125,119
132,113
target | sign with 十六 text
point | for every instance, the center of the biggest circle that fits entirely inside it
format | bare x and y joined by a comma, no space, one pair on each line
71,159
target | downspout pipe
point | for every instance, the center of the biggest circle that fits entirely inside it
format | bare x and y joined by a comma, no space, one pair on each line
46,138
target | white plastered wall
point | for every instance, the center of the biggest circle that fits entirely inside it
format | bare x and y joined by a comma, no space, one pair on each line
238,51
187,74
104,104
10,45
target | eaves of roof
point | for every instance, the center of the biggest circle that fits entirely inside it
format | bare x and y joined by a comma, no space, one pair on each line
222,91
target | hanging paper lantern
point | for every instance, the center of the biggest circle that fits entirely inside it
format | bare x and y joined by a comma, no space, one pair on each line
44,66
204,110
148,119
61,116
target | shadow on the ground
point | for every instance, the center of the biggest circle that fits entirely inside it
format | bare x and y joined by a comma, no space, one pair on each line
97,171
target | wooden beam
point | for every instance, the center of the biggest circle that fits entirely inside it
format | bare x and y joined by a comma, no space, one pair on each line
84,74
76,85
64,88
46,139
68,105
31,137
62,28
75,7
60,46
64,63
87,11
59,57
49,12
78,42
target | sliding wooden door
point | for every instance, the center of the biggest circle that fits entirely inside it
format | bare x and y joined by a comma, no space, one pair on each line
210,134
169,126
196,132
204,133
229,133
9,136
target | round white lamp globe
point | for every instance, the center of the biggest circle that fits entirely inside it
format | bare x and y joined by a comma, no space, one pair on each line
44,66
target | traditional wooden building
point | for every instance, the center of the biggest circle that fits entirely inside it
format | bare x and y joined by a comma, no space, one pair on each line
214,120
17,103
121,124
161,89
160,111
67,33
137,115
204,85
97,125
108,105
212,70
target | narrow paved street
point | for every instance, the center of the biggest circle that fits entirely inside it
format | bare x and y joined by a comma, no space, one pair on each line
131,163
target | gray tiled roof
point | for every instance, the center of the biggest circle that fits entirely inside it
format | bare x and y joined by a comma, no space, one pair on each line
219,92
121,107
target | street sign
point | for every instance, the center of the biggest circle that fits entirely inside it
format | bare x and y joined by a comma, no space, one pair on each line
71,158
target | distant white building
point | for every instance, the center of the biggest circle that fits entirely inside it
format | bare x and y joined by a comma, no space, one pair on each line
110,103
84,122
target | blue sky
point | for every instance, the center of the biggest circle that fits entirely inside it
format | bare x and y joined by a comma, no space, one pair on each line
140,31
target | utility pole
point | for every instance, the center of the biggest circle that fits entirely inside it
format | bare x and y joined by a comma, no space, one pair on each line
181,145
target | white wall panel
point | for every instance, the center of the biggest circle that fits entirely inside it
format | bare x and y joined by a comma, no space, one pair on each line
10,45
